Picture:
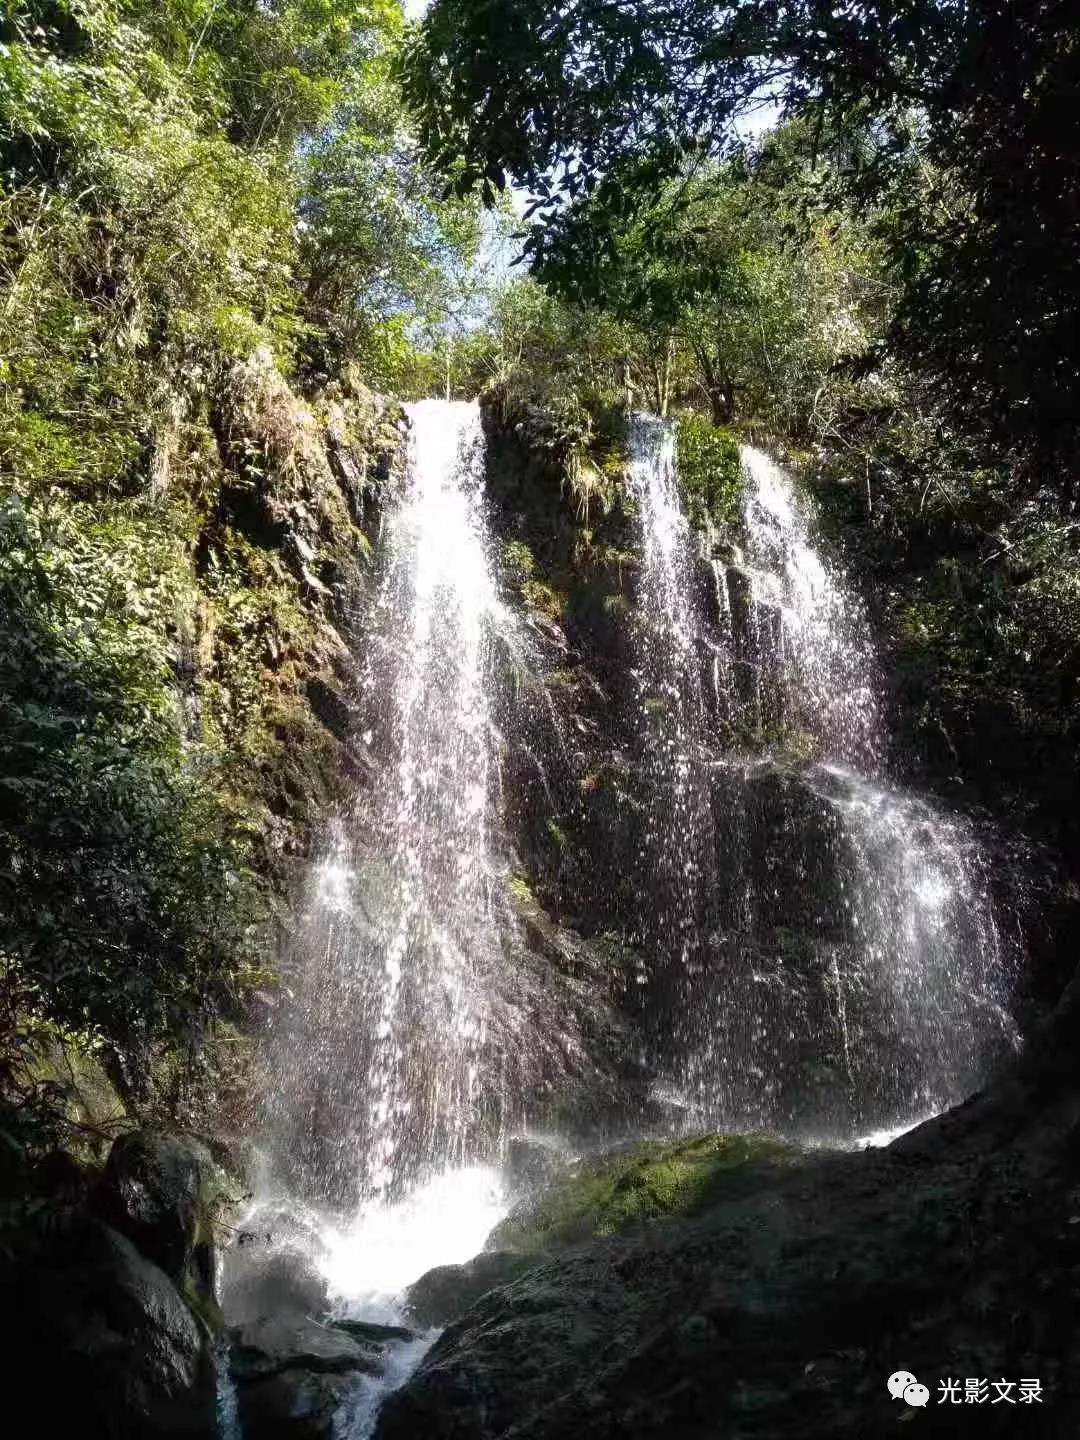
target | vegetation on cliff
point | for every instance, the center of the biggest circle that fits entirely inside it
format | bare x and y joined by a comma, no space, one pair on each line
880,286
206,210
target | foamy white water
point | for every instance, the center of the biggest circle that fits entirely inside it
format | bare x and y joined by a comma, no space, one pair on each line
369,1264
823,663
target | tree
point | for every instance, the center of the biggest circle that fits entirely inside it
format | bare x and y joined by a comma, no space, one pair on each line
738,286
604,103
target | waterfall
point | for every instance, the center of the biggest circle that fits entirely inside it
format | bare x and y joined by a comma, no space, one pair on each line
822,943
823,670
671,712
814,947
381,1064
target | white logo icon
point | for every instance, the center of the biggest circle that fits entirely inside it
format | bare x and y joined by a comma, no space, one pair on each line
903,1385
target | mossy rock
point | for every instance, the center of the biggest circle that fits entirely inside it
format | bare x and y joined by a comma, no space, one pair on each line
649,1180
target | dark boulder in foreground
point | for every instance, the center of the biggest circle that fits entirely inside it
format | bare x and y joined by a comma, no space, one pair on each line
783,1308
293,1374
157,1190
112,1298
106,1346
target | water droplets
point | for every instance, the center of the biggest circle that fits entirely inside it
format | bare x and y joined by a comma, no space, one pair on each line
823,950
383,1046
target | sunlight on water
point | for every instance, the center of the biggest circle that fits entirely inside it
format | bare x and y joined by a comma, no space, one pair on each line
823,951
382,1059
369,1264
878,1139
444,1221
824,663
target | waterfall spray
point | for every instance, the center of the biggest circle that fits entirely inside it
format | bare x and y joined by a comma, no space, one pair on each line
822,944
382,1082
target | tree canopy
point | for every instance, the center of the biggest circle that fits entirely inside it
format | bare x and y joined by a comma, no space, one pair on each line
961,120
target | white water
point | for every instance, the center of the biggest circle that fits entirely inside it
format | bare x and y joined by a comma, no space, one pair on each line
930,948
370,1263
824,666
901,980
929,962
676,825
390,1058
382,1068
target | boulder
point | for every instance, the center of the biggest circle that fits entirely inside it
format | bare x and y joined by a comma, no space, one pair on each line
292,1375
446,1292
261,1281
156,1190
367,1331
295,1405
531,1163
268,1346
782,1310
106,1345
619,1190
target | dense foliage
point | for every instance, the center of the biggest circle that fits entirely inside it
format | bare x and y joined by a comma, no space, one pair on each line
966,129
184,185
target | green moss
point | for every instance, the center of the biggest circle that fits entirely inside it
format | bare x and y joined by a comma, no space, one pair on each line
518,559
544,598
521,890
647,1181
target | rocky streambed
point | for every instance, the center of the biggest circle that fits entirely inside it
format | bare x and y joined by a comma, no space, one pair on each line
717,1285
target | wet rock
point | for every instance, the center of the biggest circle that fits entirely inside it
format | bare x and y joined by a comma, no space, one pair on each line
157,1190
273,1344
367,1330
106,1345
296,1405
447,1291
532,1163
614,1192
271,1269
331,707
782,1309
264,1282
292,1375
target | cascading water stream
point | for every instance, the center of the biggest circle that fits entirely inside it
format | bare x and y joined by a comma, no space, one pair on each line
822,666
390,1056
823,944
928,955
671,717
389,1024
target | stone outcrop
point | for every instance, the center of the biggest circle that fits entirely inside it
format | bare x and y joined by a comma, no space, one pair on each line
448,1291
783,1309
159,1191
